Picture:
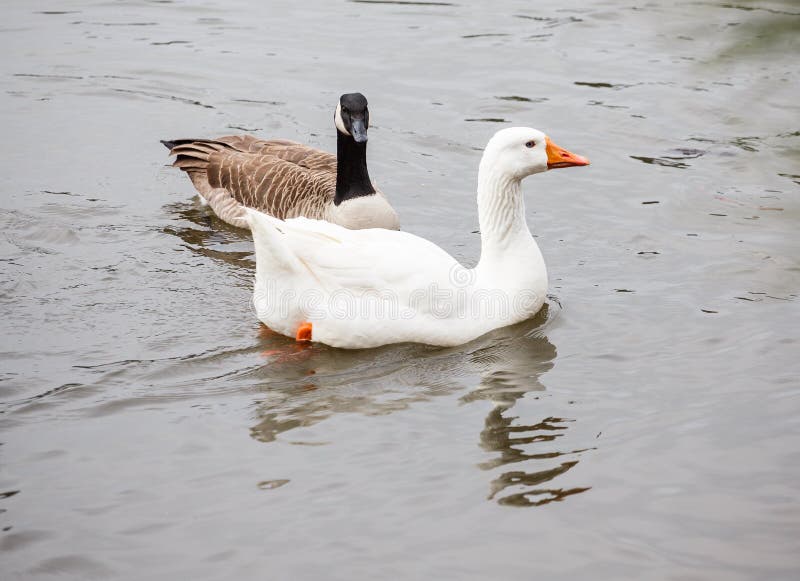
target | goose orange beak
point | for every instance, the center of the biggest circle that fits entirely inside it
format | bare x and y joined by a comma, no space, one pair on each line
560,157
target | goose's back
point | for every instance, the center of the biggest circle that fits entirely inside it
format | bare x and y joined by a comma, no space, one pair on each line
281,177
291,151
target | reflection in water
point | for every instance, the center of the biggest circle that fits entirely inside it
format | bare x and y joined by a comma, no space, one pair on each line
304,385
497,436
209,236
511,367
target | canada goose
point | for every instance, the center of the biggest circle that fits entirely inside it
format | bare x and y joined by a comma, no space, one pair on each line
375,287
287,179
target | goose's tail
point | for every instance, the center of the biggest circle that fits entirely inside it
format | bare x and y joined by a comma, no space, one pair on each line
192,154
273,255
193,157
175,142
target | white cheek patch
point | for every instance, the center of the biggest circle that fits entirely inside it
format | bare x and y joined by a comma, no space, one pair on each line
339,121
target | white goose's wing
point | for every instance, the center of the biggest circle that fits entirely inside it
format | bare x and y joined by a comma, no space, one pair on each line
333,257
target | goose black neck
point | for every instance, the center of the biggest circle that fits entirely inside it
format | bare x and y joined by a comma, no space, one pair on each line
352,177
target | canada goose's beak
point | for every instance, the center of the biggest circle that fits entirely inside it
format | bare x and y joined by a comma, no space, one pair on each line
560,157
358,130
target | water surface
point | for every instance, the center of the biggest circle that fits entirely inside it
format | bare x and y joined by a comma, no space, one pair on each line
646,426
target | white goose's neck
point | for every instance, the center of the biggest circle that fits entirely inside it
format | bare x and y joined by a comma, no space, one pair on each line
501,213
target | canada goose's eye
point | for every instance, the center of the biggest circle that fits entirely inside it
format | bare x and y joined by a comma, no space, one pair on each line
530,144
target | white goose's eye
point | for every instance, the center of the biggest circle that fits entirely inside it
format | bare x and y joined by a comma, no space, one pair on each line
530,144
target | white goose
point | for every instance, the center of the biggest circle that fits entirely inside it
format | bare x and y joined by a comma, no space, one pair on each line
317,281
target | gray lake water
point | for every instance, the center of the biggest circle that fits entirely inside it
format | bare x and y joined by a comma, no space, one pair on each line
646,426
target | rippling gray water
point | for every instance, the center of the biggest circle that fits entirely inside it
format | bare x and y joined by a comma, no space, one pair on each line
646,426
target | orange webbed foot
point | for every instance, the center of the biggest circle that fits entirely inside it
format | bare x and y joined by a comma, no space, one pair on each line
304,332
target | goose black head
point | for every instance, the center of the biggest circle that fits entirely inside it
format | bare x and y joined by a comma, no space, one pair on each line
352,116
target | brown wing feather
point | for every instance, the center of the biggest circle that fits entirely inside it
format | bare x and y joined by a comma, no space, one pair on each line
292,151
283,178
